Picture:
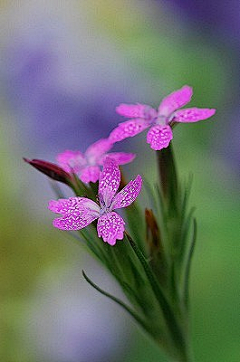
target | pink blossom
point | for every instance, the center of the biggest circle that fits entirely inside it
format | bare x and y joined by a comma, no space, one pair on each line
159,121
87,165
78,212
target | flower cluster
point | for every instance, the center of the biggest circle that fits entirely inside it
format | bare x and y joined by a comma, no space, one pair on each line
152,264
78,212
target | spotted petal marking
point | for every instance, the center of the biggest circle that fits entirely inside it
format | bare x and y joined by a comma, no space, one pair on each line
159,137
128,194
175,100
77,212
193,114
109,182
128,129
110,227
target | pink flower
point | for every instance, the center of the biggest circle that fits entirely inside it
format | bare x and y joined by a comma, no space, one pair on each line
87,166
160,121
78,212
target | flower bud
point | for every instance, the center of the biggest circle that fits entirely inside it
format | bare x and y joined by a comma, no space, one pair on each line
51,170
153,233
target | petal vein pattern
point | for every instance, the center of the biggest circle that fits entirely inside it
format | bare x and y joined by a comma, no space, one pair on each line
110,227
128,194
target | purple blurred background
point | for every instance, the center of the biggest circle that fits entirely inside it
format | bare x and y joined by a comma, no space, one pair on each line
65,66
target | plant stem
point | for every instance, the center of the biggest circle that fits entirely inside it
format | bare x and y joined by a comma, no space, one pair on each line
179,346
168,176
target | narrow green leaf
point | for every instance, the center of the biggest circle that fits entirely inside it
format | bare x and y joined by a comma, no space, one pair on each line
188,264
150,194
186,194
57,190
139,319
185,228
136,223
151,277
168,313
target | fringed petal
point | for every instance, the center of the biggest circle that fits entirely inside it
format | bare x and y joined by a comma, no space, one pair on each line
121,158
89,174
189,115
128,129
97,149
77,212
109,182
175,100
110,227
71,161
128,194
131,110
159,137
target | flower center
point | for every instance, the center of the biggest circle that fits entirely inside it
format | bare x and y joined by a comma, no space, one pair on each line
91,160
105,209
160,120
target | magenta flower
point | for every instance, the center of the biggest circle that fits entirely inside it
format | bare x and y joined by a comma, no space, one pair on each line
78,212
87,166
160,121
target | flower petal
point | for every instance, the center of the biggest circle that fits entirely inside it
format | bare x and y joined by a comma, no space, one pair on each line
121,158
110,227
97,149
71,161
89,174
109,182
128,194
159,137
193,114
77,212
175,100
128,129
131,110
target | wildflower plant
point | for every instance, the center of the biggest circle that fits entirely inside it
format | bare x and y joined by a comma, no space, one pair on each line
148,252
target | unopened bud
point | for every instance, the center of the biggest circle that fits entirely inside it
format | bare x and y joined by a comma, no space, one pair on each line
153,233
51,170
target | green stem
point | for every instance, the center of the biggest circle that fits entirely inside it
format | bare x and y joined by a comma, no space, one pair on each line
132,312
168,176
177,332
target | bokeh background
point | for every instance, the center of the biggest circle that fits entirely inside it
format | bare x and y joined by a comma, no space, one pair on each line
64,67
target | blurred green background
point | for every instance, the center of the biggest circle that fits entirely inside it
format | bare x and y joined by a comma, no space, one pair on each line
65,66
